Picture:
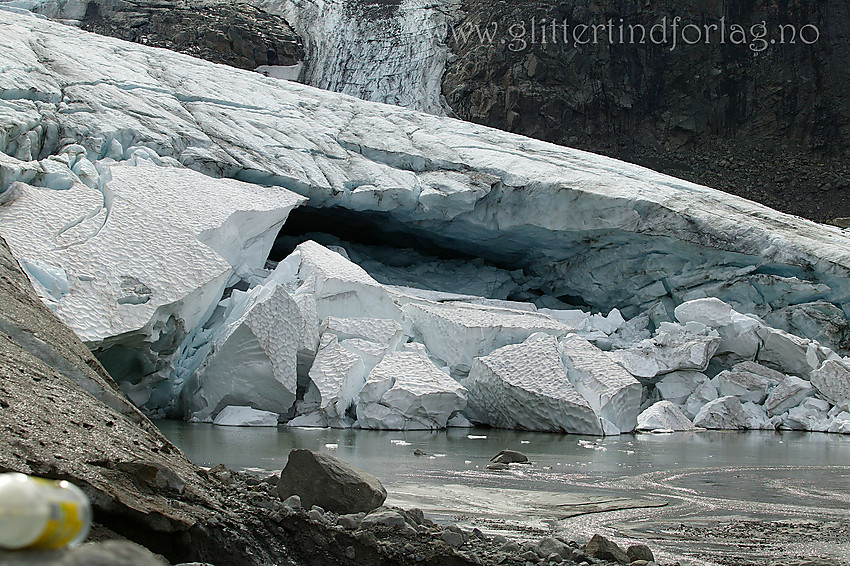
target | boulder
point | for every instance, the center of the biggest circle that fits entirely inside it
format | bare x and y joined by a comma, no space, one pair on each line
323,480
107,553
640,552
832,380
601,548
725,413
663,415
510,457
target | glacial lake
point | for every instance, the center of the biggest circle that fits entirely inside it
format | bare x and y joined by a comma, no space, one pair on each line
702,498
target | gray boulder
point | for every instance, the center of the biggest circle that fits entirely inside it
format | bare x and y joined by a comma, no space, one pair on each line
509,457
604,549
320,479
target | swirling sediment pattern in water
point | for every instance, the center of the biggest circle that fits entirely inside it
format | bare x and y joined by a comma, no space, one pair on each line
706,498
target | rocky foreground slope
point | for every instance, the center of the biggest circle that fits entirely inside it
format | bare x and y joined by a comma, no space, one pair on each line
143,192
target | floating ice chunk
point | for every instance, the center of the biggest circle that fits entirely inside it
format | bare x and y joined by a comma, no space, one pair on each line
338,374
840,423
810,415
340,287
667,352
790,392
459,421
407,391
663,415
725,413
251,356
611,391
748,381
757,419
458,333
381,330
738,332
788,353
679,385
525,386
703,394
832,380
245,416
316,419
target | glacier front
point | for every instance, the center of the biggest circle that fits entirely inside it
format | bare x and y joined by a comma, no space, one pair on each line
143,190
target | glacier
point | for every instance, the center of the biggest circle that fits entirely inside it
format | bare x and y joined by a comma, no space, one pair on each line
490,277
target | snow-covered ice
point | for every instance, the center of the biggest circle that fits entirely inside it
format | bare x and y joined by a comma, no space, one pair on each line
665,416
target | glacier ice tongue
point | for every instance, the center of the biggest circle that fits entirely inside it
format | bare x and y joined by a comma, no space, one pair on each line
556,212
611,391
748,381
663,416
245,416
458,333
525,386
407,391
832,380
790,392
724,413
251,357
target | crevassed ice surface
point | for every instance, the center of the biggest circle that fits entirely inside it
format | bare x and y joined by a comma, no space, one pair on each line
614,234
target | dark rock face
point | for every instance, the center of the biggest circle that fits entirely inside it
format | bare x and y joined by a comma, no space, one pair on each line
770,125
320,479
233,34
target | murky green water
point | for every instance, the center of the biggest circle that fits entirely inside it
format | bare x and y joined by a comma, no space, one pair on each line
707,493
